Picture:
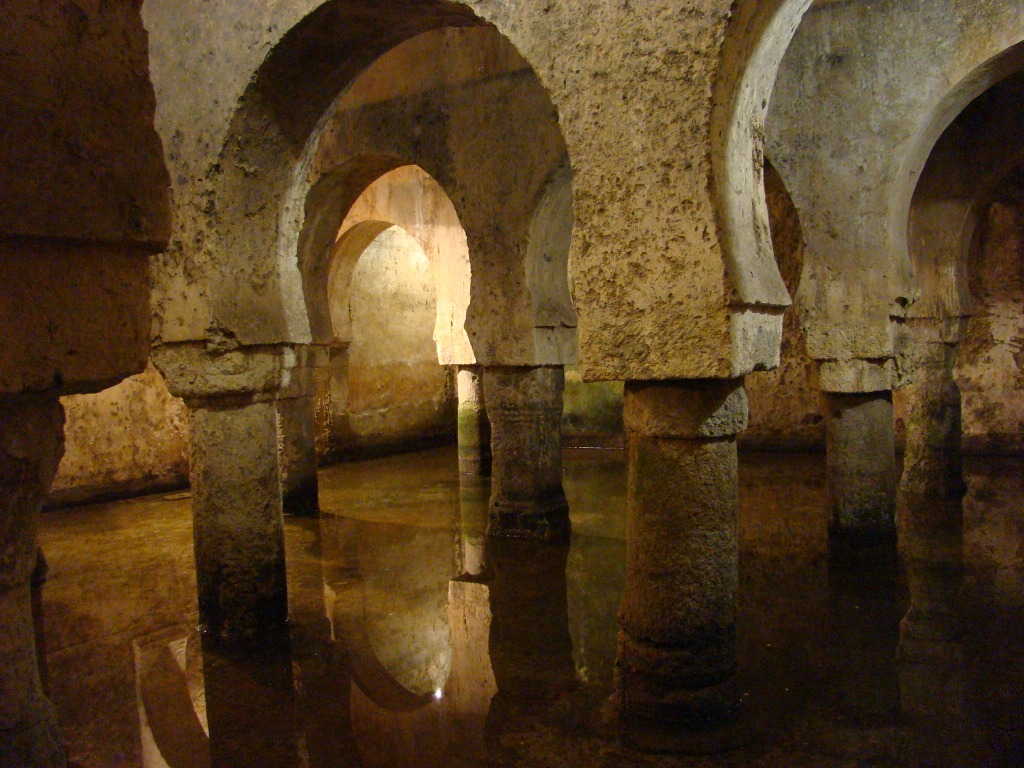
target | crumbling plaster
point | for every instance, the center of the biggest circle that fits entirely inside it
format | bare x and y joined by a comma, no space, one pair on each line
863,94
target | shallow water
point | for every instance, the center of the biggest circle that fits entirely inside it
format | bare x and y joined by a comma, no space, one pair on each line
416,642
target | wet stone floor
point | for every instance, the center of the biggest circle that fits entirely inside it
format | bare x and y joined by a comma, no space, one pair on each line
415,642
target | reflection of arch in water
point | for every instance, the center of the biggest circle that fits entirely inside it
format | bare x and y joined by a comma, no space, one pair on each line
370,568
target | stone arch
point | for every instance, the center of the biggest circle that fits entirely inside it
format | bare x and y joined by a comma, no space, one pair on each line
857,88
980,147
409,198
297,150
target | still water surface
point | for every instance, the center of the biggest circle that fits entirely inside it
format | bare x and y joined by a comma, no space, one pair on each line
416,642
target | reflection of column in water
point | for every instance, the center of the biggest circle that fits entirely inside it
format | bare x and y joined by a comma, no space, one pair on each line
250,708
864,618
783,588
930,652
530,646
474,493
930,529
171,702
993,606
322,678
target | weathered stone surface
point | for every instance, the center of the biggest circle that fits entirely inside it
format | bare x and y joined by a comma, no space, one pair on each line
715,311
91,329
297,456
862,96
239,536
988,368
524,406
198,371
79,119
388,389
127,439
853,376
861,470
474,428
785,412
31,441
677,650
687,409
932,461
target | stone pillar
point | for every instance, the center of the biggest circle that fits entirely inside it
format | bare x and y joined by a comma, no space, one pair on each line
297,434
677,648
238,527
524,406
297,446
860,464
473,504
930,529
474,428
933,465
31,445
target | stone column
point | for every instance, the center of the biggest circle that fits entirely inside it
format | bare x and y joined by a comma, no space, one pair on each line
677,648
860,463
237,524
31,445
933,465
474,428
524,406
860,446
930,529
297,435
238,528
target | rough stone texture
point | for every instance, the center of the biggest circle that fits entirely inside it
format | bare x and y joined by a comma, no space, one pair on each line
474,428
853,376
222,368
388,388
31,441
79,119
658,209
524,406
297,456
688,409
932,463
92,328
83,203
677,649
862,96
988,369
592,411
785,412
239,539
127,439
411,200
861,469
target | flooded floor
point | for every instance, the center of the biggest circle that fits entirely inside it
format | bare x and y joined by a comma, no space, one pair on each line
415,642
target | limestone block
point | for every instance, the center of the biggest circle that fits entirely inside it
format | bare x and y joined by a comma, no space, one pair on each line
686,409
197,371
74,317
852,376
80,159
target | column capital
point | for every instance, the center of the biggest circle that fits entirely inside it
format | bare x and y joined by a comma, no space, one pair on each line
201,372
686,408
856,376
